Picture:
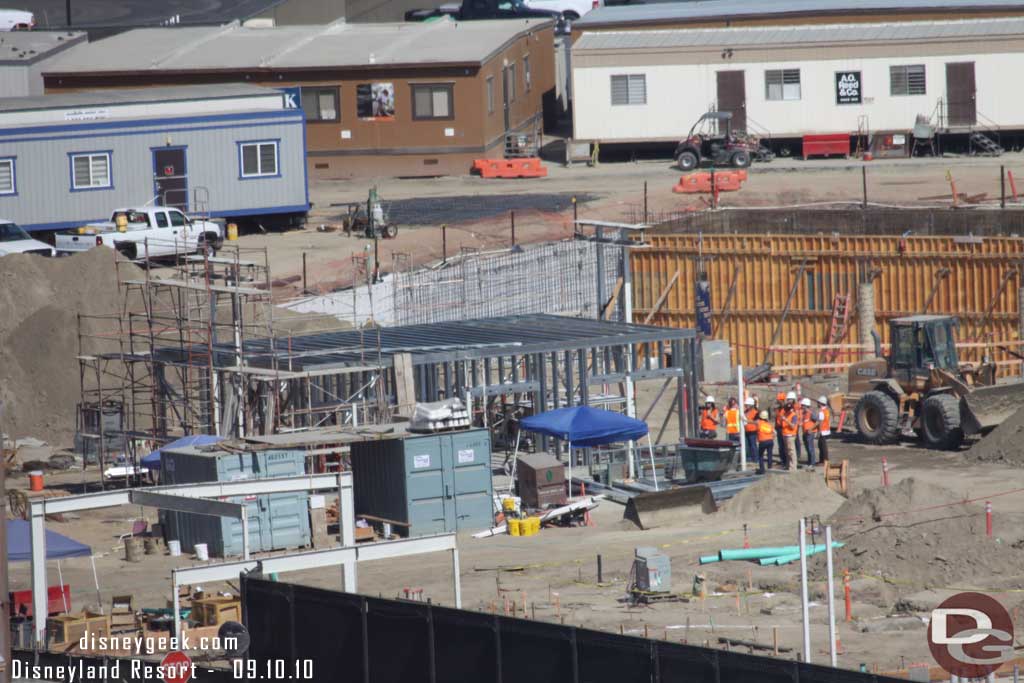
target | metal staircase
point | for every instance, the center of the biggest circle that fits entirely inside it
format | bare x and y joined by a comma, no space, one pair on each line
983,145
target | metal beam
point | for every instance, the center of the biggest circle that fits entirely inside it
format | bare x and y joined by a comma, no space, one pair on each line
199,506
92,501
656,373
316,559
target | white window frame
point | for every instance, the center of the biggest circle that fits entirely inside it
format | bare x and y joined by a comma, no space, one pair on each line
260,173
93,184
11,162
634,84
788,82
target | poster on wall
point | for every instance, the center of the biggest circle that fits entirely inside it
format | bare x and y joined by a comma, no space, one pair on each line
375,101
848,87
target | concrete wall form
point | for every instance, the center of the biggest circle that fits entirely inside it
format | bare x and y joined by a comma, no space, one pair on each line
765,267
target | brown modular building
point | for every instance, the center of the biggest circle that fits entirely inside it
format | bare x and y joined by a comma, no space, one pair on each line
380,99
734,13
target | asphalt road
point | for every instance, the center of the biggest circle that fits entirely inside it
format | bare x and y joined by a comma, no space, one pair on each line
52,13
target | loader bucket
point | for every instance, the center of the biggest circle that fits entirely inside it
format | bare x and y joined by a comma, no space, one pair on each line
654,509
987,407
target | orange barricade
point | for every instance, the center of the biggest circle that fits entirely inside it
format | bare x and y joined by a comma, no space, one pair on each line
510,168
700,182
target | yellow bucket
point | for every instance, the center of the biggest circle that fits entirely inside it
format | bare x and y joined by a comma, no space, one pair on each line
514,526
508,504
534,525
232,232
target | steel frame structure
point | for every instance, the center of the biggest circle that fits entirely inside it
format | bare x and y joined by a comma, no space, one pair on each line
178,497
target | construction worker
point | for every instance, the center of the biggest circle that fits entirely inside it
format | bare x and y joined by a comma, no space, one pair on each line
765,436
809,427
780,407
710,418
790,429
732,421
750,416
824,428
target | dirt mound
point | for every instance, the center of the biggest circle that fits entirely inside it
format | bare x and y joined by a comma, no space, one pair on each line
918,535
41,299
1004,445
791,493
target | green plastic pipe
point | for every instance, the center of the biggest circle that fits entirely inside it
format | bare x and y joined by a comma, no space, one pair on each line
791,557
708,559
756,553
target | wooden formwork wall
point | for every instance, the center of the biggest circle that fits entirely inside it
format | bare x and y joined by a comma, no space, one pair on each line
763,269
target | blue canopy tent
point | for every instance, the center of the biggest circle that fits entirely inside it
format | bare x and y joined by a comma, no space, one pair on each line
152,461
58,547
584,427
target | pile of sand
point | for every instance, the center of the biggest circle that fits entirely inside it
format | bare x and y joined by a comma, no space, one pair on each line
796,494
41,299
1004,445
918,535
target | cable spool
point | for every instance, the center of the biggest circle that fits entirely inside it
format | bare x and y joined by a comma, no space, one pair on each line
837,477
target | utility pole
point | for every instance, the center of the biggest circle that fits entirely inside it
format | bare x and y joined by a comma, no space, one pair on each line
5,604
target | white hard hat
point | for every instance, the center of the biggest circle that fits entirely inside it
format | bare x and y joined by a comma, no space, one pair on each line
709,399
749,401
791,396
805,402
763,415
822,400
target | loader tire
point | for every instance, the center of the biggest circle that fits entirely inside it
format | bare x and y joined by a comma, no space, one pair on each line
940,422
878,418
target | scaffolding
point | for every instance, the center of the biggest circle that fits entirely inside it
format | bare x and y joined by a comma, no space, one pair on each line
177,359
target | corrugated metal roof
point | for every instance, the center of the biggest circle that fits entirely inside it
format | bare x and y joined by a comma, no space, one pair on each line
286,47
27,47
696,10
720,38
109,98
446,341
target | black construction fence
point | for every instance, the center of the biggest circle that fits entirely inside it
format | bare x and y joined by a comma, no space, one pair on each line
356,638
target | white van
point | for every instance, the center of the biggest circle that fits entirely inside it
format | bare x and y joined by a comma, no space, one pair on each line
16,20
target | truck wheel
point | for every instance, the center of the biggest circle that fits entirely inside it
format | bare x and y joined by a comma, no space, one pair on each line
390,230
687,161
878,418
940,422
207,245
129,249
741,159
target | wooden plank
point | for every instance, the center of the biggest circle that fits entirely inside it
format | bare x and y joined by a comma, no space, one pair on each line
405,386
661,298
609,307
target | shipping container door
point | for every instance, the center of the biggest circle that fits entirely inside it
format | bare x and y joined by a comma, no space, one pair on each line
231,528
288,529
426,486
471,476
732,97
961,94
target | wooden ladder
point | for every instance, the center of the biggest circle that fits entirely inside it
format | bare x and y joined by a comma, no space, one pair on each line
838,327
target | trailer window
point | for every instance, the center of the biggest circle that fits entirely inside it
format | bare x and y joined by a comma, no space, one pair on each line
432,102
907,79
8,185
90,171
782,84
258,159
629,89
320,104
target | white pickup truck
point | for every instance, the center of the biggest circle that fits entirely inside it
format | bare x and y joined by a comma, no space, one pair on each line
149,232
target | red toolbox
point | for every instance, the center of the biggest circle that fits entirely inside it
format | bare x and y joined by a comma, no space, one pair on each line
827,145
58,600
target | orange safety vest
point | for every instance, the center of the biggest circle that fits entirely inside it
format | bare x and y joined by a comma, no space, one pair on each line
810,426
732,421
790,422
825,427
765,431
709,419
751,425
779,410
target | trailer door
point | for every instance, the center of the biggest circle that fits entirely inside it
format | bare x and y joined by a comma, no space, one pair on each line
732,97
170,176
961,94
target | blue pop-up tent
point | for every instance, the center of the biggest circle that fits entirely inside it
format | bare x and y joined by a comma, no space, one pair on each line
152,461
584,427
58,546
